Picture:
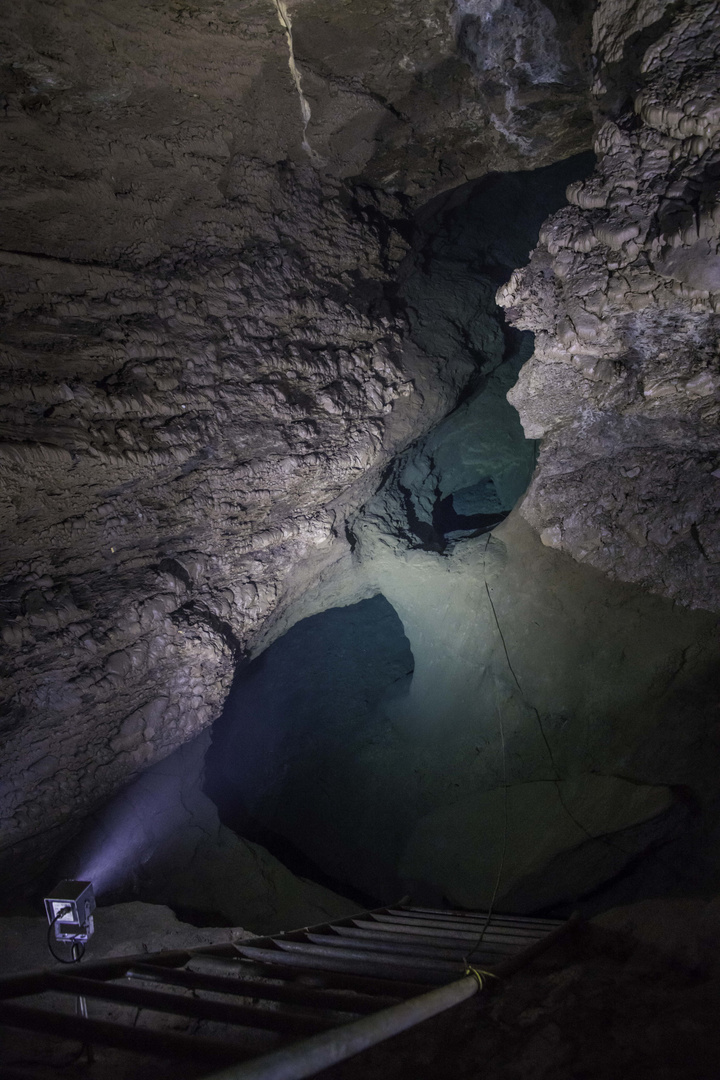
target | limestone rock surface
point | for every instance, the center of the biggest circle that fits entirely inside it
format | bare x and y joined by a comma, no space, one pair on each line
175,448
201,375
547,823
623,294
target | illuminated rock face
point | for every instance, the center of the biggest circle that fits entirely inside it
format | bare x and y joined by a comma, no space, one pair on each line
581,708
524,677
207,370
202,374
623,294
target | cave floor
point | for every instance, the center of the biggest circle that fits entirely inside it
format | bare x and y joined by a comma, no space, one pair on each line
635,993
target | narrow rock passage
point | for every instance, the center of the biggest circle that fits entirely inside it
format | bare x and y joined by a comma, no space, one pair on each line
476,463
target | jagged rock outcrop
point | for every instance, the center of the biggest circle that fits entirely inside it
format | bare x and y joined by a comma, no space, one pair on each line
201,376
623,293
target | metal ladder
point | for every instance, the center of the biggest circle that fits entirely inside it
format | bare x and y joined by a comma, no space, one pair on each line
285,1006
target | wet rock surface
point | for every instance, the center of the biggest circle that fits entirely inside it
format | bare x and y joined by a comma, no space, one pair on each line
622,294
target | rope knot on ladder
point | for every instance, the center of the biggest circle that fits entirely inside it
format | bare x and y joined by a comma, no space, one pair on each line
480,975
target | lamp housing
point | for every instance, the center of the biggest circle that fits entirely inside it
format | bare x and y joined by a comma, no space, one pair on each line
69,910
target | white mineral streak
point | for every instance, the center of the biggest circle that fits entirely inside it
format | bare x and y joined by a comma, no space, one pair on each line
286,23
524,34
623,294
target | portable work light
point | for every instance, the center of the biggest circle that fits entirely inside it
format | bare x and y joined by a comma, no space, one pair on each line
69,911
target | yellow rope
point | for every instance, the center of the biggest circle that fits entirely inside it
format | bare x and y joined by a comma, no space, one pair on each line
480,974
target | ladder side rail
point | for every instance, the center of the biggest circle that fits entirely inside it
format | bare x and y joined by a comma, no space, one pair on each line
321,1051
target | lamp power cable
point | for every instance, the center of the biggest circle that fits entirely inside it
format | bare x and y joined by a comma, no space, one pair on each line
77,946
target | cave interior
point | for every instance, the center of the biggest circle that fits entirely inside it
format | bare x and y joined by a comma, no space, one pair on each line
361,476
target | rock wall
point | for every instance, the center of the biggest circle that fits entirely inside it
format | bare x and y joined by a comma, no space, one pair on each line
201,376
559,728
207,368
186,444
581,707
415,96
623,294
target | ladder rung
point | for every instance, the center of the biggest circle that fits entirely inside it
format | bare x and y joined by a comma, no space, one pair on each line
482,915
360,964
420,930
347,1001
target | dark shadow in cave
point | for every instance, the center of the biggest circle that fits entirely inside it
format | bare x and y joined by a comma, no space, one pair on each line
465,244
286,767
467,475
454,526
